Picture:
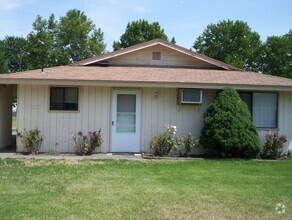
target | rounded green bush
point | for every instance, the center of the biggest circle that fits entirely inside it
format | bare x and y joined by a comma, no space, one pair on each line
228,130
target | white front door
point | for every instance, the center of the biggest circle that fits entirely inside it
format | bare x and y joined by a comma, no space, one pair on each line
126,119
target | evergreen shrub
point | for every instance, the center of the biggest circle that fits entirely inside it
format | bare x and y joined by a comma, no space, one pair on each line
228,130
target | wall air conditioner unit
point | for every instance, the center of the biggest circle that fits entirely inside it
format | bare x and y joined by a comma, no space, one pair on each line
191,96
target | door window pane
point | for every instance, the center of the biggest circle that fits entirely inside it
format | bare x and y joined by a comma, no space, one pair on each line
126,122
126,113
126,103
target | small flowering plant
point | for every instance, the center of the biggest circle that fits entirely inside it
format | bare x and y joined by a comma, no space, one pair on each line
86,145
188,143
163,144
274,146
32,140
95,140
171,129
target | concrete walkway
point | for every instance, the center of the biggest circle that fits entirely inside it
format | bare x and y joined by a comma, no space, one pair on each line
72,156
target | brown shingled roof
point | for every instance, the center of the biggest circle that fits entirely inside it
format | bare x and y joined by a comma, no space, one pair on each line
152,76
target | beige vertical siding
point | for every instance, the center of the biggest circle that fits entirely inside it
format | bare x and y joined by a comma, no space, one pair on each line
169,57
285,116
162,109
56,127
5,116
159,108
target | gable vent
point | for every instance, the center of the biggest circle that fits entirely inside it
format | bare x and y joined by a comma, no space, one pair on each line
156,56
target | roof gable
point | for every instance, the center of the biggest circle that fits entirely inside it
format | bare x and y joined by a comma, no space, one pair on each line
141,55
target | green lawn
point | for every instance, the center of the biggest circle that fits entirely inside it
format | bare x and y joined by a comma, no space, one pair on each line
109,189
14,123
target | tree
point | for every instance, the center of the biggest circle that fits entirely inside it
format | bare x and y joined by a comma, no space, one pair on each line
231,42
138,32
74,37
3,59
228,129
78,37
16,52
277,56
173,40
43,49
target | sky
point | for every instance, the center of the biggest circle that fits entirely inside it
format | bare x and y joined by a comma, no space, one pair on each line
183,19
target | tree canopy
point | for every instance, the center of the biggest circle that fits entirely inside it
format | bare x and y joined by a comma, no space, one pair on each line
138,32
3,59
43,49
78,37
51,43
232,42
74,37
277,56
16,53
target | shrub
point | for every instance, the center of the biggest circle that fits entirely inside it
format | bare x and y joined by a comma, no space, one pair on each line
163,144
85,145
81,143
228,130
95,140
274,146
31,140
186,144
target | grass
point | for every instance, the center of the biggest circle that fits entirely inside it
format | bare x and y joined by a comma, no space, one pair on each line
14,124
110,189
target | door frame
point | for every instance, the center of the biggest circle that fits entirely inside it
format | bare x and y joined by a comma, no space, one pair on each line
138,93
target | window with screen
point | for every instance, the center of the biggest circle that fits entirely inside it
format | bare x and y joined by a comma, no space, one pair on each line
263,108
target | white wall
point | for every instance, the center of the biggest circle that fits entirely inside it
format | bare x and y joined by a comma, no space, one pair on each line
5,116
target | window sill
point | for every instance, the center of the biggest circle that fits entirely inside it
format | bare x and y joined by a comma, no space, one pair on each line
63,111
267,129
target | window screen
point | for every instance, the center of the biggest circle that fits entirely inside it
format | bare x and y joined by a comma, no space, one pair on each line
263,108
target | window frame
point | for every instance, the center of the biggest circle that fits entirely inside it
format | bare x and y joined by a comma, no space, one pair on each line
63,101
252,103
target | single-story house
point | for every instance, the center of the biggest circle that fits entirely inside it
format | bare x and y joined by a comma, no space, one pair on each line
132,93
